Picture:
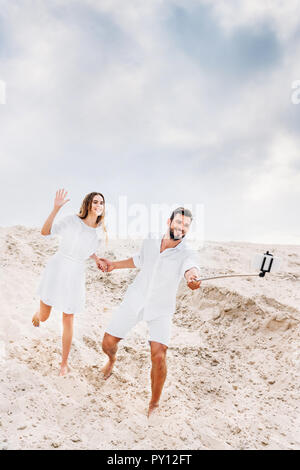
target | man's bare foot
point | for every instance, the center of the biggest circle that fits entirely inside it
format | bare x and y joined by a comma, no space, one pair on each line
35,319
64,370
107,369
152,407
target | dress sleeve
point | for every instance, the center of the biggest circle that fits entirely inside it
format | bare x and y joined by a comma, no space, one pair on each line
189,262
59,227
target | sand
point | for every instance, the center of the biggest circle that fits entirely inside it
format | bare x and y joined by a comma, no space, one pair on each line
233,361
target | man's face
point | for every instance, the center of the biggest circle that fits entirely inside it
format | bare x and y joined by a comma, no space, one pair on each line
179,226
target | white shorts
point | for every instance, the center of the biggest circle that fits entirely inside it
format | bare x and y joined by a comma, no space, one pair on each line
122,322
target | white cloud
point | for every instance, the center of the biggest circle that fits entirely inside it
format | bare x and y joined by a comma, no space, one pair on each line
113,101
282,15
278,175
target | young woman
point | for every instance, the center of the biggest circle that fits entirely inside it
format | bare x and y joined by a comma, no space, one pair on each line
63,282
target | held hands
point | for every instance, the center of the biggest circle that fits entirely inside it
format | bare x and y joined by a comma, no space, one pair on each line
105,265
101,265
60,198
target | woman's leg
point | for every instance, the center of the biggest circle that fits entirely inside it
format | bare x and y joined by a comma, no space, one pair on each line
42,315
66,341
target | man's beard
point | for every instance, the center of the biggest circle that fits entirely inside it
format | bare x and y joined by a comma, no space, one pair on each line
172,235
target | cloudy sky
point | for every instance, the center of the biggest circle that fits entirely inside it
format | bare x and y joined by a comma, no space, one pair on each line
158,101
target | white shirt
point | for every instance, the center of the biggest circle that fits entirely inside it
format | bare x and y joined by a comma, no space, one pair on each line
155,287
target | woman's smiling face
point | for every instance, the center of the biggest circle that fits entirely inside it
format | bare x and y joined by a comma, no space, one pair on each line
97,206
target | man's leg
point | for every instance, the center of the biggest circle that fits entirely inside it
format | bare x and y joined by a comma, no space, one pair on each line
109,347
120,324
158,373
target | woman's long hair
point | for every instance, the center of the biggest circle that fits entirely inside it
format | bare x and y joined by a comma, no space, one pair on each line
86,206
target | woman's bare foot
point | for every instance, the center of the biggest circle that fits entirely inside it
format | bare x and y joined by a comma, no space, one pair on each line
64,369
107,369
36,319
152,407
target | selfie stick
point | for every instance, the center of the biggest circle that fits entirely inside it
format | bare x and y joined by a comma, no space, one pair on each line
266,263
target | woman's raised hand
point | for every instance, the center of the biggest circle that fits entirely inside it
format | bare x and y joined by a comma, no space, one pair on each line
60,198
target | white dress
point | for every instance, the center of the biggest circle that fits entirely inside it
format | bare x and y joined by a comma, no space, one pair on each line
63,282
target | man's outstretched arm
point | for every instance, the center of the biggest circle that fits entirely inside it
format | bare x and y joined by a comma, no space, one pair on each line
111,265
191,275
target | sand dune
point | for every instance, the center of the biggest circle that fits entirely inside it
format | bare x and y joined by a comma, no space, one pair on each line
233,362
